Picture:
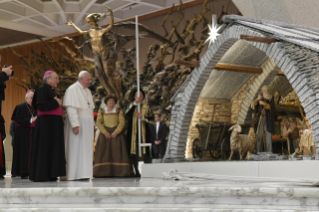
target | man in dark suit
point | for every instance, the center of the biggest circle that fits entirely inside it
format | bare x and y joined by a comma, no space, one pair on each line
159,137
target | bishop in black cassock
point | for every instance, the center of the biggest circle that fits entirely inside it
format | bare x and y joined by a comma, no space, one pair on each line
48,154
25,117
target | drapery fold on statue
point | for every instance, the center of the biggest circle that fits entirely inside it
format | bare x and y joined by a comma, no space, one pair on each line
132,130
47,151
23,138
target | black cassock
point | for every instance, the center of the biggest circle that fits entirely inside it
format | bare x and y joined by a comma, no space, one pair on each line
23,139
148,131
3,78
2,156
47,151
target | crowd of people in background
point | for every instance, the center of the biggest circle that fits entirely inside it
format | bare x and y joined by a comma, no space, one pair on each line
46,147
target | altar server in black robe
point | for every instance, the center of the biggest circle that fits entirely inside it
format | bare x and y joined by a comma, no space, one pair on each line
25,117
48,154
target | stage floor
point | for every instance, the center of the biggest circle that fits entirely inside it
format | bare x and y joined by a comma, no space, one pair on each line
17,182
153,194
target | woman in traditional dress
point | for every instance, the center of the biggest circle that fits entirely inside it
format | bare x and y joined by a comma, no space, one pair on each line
111,158
25,117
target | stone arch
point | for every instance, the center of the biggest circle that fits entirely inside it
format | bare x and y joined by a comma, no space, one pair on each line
280,59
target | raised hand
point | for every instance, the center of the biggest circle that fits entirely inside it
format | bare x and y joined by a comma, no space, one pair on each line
108,9
69,23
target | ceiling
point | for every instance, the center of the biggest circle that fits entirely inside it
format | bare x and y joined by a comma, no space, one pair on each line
9,36
46,18
299,12
224,84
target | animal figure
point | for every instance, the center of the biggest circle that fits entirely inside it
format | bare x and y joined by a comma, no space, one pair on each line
241,143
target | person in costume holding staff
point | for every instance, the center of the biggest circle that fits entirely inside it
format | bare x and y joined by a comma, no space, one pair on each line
47,151
25,117
111,158
79,128
132,117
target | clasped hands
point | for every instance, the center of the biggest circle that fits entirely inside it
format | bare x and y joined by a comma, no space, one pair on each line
157,142
34,119
109,135
58,100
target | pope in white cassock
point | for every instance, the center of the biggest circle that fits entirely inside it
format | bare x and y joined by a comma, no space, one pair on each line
79,128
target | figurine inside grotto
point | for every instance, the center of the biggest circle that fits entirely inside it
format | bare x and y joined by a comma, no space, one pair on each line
264,115
306,144
292,127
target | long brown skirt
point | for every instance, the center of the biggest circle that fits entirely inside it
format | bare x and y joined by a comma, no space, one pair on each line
111,158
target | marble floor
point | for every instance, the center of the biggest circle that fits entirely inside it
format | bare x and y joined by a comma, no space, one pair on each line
153,194
17,182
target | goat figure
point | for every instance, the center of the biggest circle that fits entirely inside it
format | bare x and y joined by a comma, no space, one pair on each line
241,143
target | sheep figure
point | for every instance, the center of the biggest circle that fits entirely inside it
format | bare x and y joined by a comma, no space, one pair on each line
241,143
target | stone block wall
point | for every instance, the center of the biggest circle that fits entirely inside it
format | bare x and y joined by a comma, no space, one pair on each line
298,62
203,114
237,100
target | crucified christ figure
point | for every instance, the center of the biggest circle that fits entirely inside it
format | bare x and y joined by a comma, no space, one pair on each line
101,51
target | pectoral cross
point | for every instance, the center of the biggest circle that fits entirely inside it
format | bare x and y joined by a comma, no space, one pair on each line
88,103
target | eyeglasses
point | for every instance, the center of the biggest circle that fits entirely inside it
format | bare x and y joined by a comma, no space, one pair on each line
55,78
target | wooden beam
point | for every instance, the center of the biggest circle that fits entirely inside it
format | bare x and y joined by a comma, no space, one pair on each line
258,39
192,64
243,69
141,18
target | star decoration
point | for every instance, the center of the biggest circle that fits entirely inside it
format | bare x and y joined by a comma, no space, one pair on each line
213,31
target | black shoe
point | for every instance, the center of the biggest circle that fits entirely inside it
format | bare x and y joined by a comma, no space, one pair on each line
138,175
2,177
24,177
53,179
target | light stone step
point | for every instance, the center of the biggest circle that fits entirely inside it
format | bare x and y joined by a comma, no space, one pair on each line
150,207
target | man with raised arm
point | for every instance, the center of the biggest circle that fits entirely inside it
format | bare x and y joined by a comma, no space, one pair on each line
48,155
79,128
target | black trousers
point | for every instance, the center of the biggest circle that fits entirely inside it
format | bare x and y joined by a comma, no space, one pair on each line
135,158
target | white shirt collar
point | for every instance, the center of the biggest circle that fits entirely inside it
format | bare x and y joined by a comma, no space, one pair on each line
81,86
113,111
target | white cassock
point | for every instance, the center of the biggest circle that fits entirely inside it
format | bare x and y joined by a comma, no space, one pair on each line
79,106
